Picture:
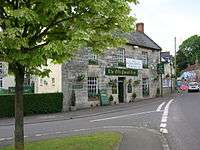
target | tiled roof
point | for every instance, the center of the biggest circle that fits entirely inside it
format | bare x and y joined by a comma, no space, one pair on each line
142,40
165,56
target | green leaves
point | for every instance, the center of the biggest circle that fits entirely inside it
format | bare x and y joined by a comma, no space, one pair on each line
189,52
35,30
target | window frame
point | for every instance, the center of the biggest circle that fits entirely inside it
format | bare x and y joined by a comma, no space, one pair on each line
92,86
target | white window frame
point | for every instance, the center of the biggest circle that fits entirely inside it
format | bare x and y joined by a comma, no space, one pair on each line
120,57
41,82
145,58
92,85
53,80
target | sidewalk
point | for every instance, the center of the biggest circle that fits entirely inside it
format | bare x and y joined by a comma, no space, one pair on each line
142,139
81,113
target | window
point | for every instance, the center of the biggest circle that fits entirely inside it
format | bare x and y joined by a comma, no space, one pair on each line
145,87
145,59
41,82
120,55
53,81
1,68
92,86
1,82
93,59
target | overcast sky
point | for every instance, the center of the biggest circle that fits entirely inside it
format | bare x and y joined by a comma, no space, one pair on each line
165,19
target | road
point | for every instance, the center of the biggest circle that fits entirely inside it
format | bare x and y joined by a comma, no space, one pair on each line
176,117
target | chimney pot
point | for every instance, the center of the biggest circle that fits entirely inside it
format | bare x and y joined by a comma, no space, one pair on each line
140,27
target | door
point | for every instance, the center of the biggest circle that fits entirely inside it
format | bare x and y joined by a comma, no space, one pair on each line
145,87
121,89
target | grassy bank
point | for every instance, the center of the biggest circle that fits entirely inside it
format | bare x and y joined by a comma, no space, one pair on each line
97,141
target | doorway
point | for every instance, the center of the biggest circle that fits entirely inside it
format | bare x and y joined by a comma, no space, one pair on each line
121,89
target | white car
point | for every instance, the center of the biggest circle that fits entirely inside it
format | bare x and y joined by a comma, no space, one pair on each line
193,86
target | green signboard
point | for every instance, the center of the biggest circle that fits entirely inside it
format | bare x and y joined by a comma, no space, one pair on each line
160,68
121,72
104,98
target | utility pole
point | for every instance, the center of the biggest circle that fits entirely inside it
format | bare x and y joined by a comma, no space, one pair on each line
175,62
161,79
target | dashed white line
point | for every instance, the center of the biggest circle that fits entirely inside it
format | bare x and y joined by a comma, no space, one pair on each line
163,124
122,116
160,106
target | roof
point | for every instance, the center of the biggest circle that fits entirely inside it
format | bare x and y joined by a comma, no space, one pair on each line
165,56
142,40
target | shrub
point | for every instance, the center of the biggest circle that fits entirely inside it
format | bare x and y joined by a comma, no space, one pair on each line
134,95
33,104
111,98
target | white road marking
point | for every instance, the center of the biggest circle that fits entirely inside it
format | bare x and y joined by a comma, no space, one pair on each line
2,139
38,134
122,116
160,106
9,138
163,124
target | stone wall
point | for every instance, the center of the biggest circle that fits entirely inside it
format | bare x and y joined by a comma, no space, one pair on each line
79,66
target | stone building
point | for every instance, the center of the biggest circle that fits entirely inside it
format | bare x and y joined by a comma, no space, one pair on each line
88,74
169,72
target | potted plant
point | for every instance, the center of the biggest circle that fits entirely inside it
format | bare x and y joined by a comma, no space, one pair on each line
80,77
111,99
133,97
136,82
73,101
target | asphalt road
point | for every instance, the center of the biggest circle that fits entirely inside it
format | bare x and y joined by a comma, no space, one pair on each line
176,117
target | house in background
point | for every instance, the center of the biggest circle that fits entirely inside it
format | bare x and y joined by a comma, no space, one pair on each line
50,84
117,72
169,71
32,84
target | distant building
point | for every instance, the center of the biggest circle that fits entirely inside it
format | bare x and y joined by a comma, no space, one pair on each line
169,72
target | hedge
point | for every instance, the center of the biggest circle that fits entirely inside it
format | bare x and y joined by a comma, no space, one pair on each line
33,104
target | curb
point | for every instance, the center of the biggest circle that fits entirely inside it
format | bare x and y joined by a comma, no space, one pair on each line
128,107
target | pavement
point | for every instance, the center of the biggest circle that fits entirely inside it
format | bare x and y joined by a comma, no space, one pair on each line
138,122
142,139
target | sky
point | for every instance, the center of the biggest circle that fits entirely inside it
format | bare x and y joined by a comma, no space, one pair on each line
166,19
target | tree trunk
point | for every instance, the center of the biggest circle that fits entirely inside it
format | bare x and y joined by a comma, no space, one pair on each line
19,111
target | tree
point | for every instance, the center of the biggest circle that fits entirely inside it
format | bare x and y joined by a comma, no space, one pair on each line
189,53
36,30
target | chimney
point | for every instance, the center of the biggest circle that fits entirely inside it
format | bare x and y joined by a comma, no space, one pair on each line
140,27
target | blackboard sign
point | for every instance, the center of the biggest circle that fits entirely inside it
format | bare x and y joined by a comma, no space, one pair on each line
104,98
121,72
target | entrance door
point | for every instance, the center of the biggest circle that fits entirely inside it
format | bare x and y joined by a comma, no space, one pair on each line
121,89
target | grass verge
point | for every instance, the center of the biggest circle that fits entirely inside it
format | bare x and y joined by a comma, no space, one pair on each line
97,141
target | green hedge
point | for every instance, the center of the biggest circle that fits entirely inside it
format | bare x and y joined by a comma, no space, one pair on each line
33,104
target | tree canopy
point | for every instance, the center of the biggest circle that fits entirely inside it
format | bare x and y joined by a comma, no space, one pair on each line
34,31
189,52
37,30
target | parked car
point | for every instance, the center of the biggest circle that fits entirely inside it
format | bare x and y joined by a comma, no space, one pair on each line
193,86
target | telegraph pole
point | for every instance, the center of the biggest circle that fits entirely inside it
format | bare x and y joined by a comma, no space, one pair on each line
175,62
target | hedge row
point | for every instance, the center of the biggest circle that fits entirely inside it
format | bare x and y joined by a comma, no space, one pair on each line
33,104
